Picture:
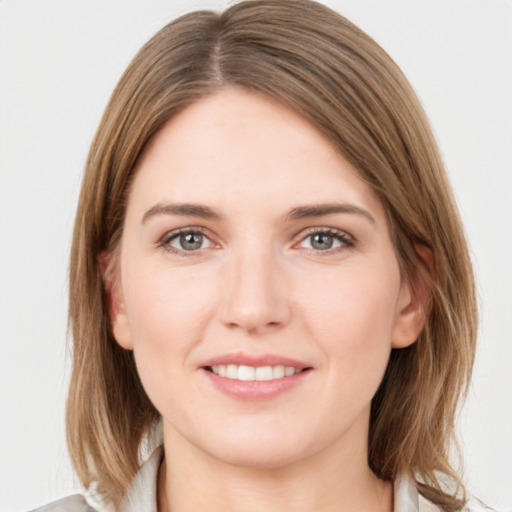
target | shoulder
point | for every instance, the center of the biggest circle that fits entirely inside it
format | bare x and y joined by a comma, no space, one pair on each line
473,505
425,505
408,499
74,503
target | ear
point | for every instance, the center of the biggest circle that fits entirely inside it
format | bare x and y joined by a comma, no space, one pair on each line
117,312
413,304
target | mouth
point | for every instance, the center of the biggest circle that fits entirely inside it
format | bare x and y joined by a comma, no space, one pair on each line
254,373
253,377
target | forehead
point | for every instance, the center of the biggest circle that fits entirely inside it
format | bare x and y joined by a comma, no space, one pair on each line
239,145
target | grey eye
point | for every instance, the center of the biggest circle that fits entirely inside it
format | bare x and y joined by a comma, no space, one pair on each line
326,240
189,241
321,241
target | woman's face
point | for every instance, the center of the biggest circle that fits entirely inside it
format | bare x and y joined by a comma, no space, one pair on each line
259,287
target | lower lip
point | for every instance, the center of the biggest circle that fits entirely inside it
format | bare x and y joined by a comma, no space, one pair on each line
256,389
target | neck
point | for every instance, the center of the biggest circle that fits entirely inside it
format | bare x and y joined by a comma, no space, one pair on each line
334,481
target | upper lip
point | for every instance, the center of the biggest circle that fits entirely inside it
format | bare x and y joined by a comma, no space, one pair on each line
240,359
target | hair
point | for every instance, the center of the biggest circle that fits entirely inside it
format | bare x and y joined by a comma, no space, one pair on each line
335,76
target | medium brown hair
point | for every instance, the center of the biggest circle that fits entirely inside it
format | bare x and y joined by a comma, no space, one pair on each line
316,62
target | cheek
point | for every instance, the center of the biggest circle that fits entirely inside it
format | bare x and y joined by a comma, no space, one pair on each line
352,316
166,308
167,312
352,326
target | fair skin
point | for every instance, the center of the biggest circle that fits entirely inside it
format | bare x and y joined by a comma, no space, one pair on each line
248,241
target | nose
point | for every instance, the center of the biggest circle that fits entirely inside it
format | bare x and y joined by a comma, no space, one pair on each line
255,297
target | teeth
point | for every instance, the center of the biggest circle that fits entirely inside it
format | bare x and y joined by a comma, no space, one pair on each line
289,371
263,373
232,371
278,372
246,373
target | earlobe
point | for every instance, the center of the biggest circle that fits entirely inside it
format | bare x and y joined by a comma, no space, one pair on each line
413,304
117,310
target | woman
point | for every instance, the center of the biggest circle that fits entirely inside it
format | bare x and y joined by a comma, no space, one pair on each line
269,276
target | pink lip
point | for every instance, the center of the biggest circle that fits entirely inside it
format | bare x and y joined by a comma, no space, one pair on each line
254,389
240,358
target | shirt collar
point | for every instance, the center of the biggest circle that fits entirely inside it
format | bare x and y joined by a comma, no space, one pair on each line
405,495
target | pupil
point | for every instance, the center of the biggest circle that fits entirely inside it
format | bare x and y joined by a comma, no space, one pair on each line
321,241
191,241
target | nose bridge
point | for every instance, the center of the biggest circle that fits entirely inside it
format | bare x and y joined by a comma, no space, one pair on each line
254,295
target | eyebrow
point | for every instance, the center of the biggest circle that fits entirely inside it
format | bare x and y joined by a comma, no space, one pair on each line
320,210
183,210
297,213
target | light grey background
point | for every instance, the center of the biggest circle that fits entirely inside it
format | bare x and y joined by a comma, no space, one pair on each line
59,61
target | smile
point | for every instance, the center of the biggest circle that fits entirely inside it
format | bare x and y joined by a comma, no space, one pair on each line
251,373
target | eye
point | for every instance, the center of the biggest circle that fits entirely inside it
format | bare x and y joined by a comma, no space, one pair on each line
326,240
185,240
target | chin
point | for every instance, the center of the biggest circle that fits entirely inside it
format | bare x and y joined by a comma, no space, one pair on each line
258,448
257,457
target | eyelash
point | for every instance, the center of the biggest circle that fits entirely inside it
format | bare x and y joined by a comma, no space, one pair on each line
346,240
165,241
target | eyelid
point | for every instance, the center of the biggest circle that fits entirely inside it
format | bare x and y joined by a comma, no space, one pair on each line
168,236
348,241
